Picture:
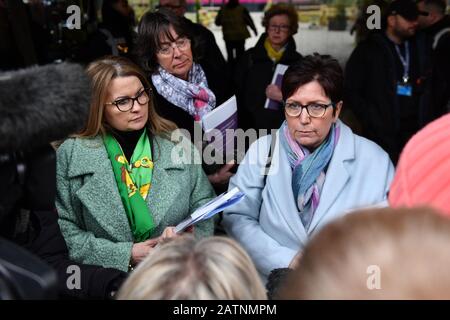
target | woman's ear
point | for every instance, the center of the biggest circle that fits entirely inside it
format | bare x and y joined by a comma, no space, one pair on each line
337,110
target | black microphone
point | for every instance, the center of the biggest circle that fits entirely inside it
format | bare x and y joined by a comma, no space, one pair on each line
42,104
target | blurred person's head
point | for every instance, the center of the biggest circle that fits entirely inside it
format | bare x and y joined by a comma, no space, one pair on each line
423,171
402,19
121,99
164,40
186,268
117,12
176,6
375,254
435,10
281,22
317,82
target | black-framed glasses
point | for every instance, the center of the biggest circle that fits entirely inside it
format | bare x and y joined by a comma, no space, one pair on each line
314,110
167,49
126,103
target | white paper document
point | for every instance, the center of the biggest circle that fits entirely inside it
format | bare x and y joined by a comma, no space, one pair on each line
276,80
211,208
216,122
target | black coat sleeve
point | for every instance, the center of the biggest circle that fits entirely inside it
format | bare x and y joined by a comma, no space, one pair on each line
239,83
49,244
354,85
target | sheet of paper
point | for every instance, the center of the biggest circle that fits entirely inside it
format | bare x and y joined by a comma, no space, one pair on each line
276,79
216,122
211,208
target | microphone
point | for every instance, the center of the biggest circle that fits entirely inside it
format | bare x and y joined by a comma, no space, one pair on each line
42,104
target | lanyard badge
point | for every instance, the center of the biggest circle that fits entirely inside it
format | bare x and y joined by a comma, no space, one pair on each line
404,88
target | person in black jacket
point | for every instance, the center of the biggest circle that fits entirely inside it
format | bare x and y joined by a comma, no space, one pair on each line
168,51
33,114
255,69
435,39
382,84
234,19
29,219
209,55
115,34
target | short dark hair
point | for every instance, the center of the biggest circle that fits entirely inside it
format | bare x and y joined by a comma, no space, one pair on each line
152,27
322,68
438,5
282,9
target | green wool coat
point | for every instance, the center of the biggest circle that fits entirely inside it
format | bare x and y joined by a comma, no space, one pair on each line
91,214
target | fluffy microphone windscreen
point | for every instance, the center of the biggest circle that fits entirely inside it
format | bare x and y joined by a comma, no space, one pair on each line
42,104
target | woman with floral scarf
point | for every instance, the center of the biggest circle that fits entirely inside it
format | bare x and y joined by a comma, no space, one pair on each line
167,51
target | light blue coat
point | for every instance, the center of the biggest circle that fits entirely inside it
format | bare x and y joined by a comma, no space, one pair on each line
267,221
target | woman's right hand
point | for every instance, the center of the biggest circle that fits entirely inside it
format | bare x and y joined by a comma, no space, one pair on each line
141,249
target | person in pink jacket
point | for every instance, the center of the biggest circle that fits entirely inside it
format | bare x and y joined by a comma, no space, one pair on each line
423,172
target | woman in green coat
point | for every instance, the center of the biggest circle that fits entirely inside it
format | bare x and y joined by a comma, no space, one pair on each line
127,178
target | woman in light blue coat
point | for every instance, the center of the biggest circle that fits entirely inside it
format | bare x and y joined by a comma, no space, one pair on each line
313,170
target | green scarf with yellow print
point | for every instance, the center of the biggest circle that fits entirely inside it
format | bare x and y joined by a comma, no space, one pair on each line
134,182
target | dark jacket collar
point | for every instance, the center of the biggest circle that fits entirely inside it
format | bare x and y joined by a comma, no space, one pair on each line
438,26
290,54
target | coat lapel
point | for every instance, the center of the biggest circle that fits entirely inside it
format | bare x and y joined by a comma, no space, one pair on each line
279,181
337,174
165,180
99,193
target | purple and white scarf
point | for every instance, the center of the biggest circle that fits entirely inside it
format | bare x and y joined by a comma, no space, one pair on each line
193,96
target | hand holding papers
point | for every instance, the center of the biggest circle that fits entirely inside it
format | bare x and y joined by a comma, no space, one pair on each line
208,210
277,78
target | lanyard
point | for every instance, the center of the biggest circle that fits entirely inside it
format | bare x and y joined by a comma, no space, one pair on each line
404,60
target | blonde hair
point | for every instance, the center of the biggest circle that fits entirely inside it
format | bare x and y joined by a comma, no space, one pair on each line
102,72
186,268
407,250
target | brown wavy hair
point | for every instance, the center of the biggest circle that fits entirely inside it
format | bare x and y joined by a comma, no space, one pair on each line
101,73
282,9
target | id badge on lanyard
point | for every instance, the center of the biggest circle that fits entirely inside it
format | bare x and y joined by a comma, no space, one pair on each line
404,87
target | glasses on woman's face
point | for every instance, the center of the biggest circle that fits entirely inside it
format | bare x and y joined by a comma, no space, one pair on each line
126,103
277,28
314,110
167,48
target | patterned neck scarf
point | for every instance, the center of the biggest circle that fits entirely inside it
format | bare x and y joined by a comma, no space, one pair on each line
193,96
274,55
308,170
133,181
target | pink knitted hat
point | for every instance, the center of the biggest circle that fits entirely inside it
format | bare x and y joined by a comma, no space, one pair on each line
423,171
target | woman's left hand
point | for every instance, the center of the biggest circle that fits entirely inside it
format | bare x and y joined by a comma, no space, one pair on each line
223,175
168,233
274,93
